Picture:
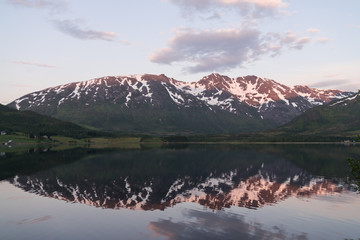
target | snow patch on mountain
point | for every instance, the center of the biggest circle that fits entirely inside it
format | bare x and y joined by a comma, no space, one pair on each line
343,101
175,96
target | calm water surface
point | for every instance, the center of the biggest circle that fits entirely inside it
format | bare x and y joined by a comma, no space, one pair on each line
180,192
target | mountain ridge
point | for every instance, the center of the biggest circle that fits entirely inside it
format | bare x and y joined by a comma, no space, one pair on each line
245,104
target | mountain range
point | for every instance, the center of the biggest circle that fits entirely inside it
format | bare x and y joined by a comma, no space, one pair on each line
157,104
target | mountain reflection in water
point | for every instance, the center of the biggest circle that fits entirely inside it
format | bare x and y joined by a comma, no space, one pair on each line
215,177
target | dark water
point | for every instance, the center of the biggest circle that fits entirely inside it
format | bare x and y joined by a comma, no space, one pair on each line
180,192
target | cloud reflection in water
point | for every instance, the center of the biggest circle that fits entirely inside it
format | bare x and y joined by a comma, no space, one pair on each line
219,225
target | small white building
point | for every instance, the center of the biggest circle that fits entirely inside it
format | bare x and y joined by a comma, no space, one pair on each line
3,133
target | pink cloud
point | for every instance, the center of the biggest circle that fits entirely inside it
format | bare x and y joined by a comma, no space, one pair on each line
34,64
224,49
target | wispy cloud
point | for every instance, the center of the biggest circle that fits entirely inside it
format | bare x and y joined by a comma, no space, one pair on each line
223,49
329,83
292,40
300,43
246,8
52,5
20,85
332,75
313,30
69,27
73,29
33,221
34,64
323,40
205,4
343,84
355,26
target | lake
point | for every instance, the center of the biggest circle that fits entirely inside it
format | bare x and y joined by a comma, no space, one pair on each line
256,191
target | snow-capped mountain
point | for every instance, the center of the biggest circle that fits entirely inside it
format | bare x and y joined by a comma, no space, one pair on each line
218,102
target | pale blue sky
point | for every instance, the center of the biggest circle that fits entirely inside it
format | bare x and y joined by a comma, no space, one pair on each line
46,43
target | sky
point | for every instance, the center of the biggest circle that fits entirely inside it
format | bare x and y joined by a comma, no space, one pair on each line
46,43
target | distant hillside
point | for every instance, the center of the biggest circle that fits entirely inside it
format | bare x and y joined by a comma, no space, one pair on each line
337,118
33,123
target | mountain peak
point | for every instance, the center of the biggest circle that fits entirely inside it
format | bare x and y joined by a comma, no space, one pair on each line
138,77
214,76
215,81
153,77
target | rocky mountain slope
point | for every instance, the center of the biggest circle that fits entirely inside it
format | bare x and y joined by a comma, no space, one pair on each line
159,104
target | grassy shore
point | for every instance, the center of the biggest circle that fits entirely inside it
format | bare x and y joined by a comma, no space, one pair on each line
21,141
17,142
